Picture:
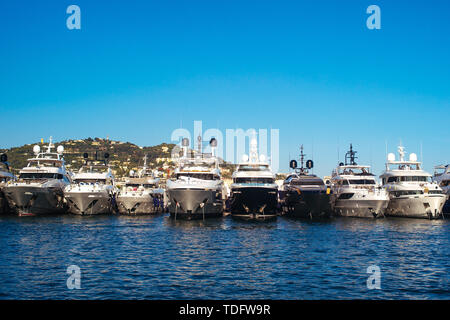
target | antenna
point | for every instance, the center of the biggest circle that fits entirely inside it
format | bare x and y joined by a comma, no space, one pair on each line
302,157
421,154
50,145
350,157
385,143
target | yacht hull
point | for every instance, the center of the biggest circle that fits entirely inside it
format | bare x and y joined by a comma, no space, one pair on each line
425,207
254,203
306,204
4,207
446,208
88,203
137,205
192,204
360,208
34,200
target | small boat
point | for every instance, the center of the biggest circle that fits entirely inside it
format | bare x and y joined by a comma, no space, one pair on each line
39,189
92,190
442,177
304,195
411,191
5,176
196,190
355,192
254,193
141,193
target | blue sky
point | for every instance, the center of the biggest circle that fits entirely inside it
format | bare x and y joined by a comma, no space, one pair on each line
312,69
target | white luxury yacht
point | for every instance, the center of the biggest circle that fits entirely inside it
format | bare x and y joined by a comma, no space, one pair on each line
254,193
93,188
196,190
141,193
442,177
5,176
355,192
412,194
40,187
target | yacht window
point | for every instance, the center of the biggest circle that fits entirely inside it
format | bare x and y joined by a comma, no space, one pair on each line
406,193
345,182
308,182
254,167
413,179
90,180
203,176
253,180
148,185
445,183
40,175
362,181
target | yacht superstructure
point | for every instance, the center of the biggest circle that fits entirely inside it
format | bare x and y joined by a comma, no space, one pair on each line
92,190
40,186
254,193
355,192
411,192
304,195
442,177
141,193
5,176
196,190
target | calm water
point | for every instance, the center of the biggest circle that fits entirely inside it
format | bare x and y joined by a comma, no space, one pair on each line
157,258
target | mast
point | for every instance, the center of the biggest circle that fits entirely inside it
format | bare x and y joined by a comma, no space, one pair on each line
302,169
350,157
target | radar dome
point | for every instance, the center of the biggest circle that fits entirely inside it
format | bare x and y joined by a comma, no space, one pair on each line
262,158
60,149
413,157
244,158
131,173
185,142
36,149
391,157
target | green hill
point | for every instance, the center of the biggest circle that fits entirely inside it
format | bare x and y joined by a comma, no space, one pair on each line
124,156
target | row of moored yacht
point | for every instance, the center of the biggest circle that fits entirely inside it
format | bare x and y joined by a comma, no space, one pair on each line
45,186
197,190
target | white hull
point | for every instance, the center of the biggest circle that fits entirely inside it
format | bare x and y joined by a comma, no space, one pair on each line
89,203
135,205
360,208
417,206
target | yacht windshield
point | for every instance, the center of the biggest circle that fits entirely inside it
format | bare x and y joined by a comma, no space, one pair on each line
307,182
40,175
90,181
362,181
253,180
203,176
254,167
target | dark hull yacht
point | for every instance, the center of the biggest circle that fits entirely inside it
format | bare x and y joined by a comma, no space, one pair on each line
254,193
305,195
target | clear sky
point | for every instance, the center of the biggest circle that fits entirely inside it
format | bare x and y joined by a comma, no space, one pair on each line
312,69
